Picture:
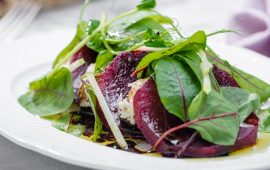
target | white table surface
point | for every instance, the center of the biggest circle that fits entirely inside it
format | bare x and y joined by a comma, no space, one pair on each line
209,15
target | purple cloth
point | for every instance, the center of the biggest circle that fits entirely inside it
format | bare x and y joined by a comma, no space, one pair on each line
253,24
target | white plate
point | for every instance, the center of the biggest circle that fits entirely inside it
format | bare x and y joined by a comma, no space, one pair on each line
24,60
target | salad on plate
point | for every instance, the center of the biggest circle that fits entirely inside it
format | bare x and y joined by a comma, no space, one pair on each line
136,83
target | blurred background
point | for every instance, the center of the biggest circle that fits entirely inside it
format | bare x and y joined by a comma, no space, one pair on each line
62,15
28,18
24,19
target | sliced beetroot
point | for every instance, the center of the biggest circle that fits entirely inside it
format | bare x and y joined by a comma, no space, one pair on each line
89,57
201,149
224,78
114,81
151,118
252,119
150,115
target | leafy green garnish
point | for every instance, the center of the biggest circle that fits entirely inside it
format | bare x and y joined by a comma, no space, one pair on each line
217,130
222,31
147,4
245,80
177,86
138,28
92,26
217,121
264,116
198,38
103,58
245,101
61,59
193,60
63,122
49,95
60,121
119,26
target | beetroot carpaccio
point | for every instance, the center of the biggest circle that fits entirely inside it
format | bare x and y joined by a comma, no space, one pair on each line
135,83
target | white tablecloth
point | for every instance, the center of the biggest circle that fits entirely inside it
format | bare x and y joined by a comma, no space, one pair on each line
209,15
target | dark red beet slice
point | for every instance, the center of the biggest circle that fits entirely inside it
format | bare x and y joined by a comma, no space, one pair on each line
89,57
201,149
114,81
224,78
252,119
150,115
151,119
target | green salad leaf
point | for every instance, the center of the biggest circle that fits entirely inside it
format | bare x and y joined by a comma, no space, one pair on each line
245,80
177,86
146,32
203,72
193,60
96,41
245,101
92,26
198,38
118,26
264,116
218,121
63,122
103,59
60,121
146,28
147,4
61,58
52,94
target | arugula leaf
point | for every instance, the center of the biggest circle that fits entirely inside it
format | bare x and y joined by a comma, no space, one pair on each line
245,80
103,58
215,129
177,86
245,101
146,4
199,38
61,58
49,95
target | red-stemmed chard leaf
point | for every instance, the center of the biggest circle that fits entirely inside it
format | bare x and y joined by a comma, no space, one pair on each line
218,121
152,119
177,86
